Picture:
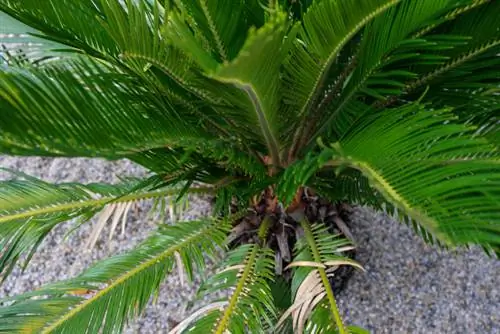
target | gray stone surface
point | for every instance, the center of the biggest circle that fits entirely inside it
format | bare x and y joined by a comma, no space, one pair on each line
408,287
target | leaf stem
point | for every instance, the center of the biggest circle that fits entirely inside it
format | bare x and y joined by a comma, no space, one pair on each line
223,323
324,278
170,251
95,203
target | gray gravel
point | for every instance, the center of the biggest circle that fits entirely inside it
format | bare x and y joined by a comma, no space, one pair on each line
408,287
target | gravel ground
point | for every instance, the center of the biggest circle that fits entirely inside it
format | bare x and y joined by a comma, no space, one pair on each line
408,287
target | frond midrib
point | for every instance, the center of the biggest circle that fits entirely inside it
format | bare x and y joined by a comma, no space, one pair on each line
452,15
202,233
213,30
392,195
453,63
93,203
247,271
328,63
324,278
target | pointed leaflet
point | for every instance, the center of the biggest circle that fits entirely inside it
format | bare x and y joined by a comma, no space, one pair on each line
383,35
115,290
250,307
31,208
81,108
326,27
255,73
430,168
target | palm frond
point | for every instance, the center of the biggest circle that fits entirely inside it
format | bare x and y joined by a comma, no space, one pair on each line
84,109
250,308
115,290
223,34
256,80
327,27
75,24
383,35
432,169
440,174
424,47
30,208
317,254
347,185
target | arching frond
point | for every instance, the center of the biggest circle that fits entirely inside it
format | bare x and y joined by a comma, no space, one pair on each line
437,172
348,185
316,254
420,51
73,23
250,308
83,109
115,290
257,80
222,35
326,28
383,35
431,169
30,208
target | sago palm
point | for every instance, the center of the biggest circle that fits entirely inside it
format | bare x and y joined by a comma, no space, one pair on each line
282,110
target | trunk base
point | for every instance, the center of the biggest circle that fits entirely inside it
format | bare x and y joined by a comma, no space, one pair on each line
285,230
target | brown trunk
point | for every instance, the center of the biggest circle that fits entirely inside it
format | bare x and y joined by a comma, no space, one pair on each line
285,228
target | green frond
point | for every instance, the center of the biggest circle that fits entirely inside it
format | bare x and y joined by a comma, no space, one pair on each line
319,322
315,255
326,28
347,185
229,153
250,308
479,107
440,174
72,23
430,168
411,54
224,33
385,34
257,80
204,30
115,290
30,208
84,109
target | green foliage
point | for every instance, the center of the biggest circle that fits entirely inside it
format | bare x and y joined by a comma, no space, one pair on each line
424,172
31,208
248,269
315,255
114,290
391,103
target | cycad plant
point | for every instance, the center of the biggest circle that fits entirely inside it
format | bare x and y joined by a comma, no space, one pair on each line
283,110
